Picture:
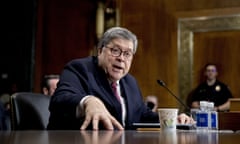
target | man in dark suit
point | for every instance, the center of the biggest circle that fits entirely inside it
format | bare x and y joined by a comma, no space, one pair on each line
98,93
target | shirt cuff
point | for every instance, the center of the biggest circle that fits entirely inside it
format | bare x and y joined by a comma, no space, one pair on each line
80,111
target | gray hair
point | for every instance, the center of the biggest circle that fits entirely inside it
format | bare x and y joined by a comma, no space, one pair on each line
118,32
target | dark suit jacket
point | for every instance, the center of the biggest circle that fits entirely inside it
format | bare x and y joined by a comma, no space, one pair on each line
83,77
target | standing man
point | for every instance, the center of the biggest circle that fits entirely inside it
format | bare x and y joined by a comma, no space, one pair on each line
97,92
212,90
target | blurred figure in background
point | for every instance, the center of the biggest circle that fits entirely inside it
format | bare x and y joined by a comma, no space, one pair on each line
49,84
212,90
4,118
7,87
152,102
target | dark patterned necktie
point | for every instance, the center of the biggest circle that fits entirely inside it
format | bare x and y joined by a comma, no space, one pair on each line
114,87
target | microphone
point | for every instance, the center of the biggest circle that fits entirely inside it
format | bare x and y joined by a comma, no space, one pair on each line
162,83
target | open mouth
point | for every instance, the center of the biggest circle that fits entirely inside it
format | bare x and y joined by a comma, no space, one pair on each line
117,67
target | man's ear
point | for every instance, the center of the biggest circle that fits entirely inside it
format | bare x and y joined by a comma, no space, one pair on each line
45,91
99,50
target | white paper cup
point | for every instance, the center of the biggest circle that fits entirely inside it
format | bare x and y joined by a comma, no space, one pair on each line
168,118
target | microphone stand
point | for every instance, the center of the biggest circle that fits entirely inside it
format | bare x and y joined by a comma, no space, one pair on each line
161,83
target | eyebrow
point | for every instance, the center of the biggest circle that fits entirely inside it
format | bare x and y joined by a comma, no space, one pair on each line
121,46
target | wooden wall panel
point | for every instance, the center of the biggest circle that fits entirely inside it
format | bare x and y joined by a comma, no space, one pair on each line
66,31
153,59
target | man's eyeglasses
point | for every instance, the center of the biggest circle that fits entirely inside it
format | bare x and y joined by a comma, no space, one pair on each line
116,52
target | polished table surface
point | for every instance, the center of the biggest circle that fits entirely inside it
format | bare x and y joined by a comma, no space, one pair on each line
118,137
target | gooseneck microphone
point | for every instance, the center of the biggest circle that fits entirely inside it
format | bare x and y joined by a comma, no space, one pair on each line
161,83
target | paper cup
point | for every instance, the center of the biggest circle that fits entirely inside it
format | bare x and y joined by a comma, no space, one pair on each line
168,118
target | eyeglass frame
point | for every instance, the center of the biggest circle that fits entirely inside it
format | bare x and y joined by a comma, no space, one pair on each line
120,52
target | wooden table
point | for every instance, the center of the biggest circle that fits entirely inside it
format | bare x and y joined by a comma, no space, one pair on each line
120,137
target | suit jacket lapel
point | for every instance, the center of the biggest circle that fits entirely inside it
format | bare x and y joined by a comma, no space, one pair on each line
107,93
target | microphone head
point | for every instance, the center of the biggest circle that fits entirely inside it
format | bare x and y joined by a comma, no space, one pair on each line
161,82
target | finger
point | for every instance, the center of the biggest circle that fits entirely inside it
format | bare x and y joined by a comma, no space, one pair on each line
187,120
193,121
181,119
95,123
116,124
85,123
107,123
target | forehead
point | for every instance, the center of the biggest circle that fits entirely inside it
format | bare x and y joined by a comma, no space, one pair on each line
53,80
211,67
122,43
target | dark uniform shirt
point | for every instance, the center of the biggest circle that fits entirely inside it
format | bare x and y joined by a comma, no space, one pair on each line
218,93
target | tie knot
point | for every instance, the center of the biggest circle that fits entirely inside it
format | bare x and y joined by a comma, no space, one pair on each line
114,87
114,84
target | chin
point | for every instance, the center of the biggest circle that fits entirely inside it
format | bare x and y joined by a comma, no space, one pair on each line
116,78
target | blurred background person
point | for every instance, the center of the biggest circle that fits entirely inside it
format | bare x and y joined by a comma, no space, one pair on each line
152,102
212,90
4,118
49,84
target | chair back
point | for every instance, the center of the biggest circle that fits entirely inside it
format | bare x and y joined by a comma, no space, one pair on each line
29,111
